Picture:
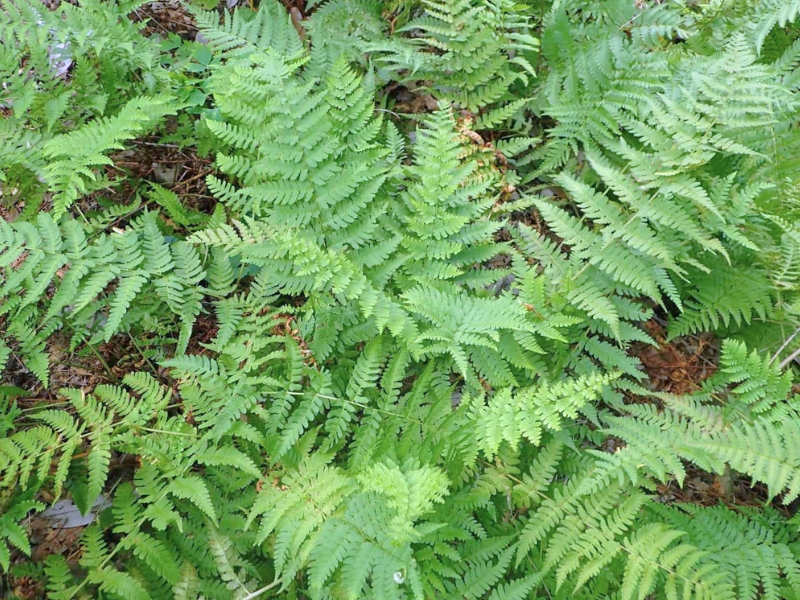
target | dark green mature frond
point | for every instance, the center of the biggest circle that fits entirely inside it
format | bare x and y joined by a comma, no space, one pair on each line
238,36
72,156
723,297
139,264
510,416
769,14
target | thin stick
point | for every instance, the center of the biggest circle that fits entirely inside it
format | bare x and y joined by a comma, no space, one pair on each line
789,359
102,360
258,592
783,347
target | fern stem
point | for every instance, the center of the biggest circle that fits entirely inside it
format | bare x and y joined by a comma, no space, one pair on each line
726,483
139,350
38,407
151,430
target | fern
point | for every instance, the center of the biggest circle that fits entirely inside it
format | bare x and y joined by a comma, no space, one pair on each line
529,412
474,51
82,64
390,354
12,535
139,262
712,306
768,16
755,559
72,155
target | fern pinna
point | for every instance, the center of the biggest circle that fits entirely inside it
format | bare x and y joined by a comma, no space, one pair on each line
393,358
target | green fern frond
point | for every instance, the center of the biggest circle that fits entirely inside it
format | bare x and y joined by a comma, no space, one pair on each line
72,155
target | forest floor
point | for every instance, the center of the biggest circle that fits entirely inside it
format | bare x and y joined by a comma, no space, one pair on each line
677,367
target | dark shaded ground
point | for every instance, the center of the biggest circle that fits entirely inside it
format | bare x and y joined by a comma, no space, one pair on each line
165,17
679,367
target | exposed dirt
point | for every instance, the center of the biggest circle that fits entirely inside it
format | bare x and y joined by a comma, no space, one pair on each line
408,101
205,329
290,4
181,170
27,588
165,17
47,539
82,370
708,489
679,366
